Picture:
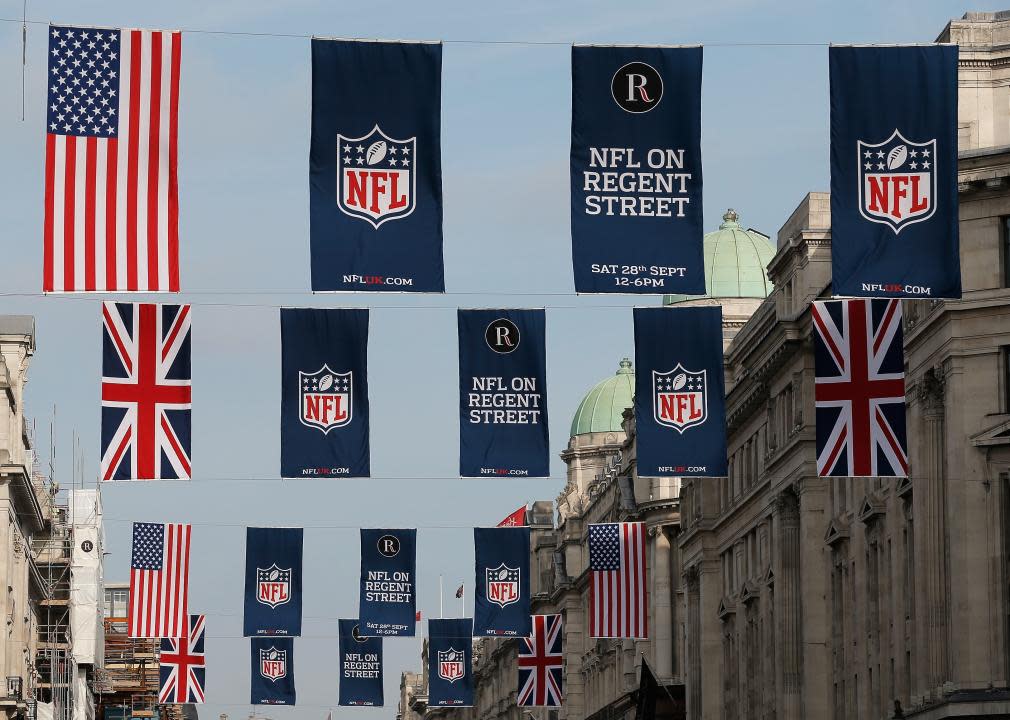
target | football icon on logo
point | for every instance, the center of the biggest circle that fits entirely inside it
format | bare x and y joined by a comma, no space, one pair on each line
325,383
376,152
896,158
679,381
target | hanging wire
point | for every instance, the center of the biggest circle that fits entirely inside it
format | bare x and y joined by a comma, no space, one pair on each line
453,41
338,300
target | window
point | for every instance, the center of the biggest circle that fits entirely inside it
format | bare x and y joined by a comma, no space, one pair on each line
1004,379
1005,250
115,603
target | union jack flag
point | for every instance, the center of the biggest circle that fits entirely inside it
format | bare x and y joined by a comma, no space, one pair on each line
183,668
146,391
859,388
541,664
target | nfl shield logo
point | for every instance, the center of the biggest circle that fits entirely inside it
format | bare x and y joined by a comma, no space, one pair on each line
450,664
897,181
679,398
502,586
273,585
325,398
273,664
375,176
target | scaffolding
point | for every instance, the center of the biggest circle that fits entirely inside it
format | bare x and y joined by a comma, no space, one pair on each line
54,661
129,683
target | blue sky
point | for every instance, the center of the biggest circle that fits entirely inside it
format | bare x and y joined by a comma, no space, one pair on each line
244,244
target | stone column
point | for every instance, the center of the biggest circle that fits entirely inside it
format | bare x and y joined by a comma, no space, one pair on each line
693,645
788,594
662,603
934,557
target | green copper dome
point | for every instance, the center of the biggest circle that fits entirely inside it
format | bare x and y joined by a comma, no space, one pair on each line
601,409
735,262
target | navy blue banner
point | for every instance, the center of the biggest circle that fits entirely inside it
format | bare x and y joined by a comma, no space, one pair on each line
388,597
894,216
502,582
636,170
680,397
273,671
273,581
360,666
503,394
375,166
450,653
324,393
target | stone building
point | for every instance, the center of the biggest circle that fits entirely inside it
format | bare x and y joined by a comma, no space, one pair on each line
869,598
25,499
40,675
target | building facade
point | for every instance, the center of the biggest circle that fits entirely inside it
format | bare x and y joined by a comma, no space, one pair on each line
870,598
48,660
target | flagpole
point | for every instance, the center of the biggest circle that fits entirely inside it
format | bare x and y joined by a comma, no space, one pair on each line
440,613
668,693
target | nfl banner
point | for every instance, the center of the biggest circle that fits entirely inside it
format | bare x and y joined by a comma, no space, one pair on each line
636,170
502,393
502,596
894,212
450,651
273,581
324,393
680,411
375,167
273,671
360,666
388,596
859,388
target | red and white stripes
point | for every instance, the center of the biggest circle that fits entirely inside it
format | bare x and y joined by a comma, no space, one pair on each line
111,204
159,599
618,605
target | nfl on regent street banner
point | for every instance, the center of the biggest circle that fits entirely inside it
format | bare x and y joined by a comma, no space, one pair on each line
273,581
636,170
273,671
324,393
450,651
375,166
388,597
680,409
360,666
894,217
502,565
503,393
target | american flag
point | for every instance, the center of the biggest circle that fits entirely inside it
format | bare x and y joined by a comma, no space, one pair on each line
541,663
146,391
618,590
859,368
183,670
159,581
111,195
